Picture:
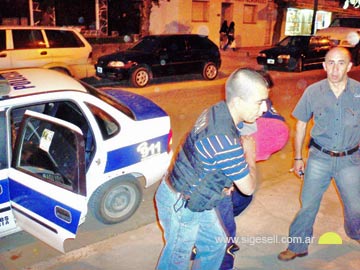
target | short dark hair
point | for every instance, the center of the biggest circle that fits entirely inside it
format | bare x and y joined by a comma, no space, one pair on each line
242,81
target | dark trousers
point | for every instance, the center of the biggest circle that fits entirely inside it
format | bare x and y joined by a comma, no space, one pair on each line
228,209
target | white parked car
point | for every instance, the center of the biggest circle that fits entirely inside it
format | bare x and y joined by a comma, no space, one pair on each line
61,48
67,147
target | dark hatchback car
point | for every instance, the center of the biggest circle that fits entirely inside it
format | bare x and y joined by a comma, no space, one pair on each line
162,55
295,53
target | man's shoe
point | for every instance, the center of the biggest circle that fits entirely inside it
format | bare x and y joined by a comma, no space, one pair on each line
234,247
289,255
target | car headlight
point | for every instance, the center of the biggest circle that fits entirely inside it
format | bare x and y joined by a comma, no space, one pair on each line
262,55
115,64
283,57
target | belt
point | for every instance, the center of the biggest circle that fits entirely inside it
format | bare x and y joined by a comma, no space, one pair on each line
334,153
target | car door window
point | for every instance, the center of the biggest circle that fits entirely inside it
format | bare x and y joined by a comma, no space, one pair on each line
64,110
63,39
2,40
28,39
174,45
49,152
109,127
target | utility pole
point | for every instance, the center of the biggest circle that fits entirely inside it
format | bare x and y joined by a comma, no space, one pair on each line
314,17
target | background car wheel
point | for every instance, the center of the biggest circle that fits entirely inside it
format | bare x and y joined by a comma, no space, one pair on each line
140,77
62,70
299,65
210,71
116,201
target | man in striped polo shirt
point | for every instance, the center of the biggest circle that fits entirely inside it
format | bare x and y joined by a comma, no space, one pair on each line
211,160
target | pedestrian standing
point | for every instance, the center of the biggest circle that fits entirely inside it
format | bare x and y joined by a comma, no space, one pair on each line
230,37
334,104
210,161
223,34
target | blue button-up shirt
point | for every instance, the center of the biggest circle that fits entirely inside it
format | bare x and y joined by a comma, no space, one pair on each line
336,119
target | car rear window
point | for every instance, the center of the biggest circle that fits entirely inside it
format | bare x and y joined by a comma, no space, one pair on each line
346,22
28,39
63,39
2,40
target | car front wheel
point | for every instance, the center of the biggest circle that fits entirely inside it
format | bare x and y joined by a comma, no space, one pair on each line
299,65
116,201
140,77
210,71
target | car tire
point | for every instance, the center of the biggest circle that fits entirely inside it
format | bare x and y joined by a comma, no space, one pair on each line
210,71
62,70
140,77
116,201
299,65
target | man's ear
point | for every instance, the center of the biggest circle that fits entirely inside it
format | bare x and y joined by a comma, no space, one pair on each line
324,66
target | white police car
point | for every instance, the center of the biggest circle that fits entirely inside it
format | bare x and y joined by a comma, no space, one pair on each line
67,147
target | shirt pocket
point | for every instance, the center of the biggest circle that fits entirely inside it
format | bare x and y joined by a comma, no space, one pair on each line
322,121
352,118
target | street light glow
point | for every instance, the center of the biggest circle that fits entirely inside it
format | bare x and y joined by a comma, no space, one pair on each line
355,3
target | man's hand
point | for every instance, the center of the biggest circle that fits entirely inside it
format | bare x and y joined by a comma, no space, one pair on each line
299,167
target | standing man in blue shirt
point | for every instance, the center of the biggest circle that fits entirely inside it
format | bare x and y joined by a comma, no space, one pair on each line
334,104
210,161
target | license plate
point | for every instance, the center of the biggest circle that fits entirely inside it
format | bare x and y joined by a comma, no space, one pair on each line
270,61
99,69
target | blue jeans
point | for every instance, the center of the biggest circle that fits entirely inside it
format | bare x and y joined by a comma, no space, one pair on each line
184,229
229,208
318,173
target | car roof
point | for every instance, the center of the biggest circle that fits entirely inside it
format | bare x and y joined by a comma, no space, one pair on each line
176,35
19,27
28,81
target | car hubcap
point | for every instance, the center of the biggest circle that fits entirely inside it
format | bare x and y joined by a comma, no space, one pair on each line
119,201
142,78
211,72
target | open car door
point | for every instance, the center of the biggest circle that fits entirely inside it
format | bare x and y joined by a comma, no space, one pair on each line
47,178
7,221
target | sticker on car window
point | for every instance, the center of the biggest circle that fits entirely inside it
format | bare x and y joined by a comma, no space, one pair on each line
46,139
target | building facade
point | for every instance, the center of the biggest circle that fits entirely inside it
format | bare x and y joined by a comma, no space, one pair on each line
254,19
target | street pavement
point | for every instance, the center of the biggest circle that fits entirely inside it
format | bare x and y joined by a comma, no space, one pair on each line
262,230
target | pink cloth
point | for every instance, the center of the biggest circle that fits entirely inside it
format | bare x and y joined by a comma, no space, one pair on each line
271,136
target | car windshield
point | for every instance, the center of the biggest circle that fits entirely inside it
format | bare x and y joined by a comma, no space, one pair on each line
295,41
346,22
147,44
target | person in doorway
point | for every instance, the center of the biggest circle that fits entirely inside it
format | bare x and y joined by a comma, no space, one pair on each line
230,37
223,34
334,104
211,160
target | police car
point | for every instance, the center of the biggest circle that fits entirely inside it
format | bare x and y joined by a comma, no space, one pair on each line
67,147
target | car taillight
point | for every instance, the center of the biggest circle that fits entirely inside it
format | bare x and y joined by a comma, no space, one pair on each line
90,57
169,142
